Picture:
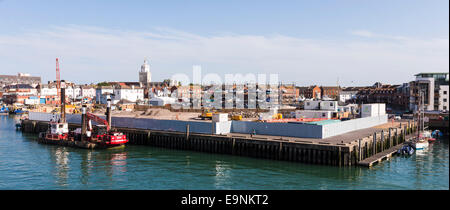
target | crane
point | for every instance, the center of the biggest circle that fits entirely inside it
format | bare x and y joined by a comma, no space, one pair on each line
99,120
58,82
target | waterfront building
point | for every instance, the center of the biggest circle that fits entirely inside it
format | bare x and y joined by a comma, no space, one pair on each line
443,98
20,78
396,97
430,85
18,93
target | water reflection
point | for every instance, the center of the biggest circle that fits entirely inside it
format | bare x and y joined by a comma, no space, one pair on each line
86,165
29,165
223,171
61,158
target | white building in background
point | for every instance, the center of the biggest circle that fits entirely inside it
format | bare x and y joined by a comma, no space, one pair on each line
87,91
73,91
443,97
145,76
347,94
47,90
131,94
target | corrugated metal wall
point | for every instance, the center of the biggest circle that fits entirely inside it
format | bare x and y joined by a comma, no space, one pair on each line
278,129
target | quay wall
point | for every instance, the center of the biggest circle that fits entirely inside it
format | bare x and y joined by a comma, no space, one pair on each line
245,127
277,148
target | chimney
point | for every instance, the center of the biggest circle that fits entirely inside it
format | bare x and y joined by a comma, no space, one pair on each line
63,105
108,110
83,122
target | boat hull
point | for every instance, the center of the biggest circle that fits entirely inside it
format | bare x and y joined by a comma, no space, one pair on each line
421,145
70,142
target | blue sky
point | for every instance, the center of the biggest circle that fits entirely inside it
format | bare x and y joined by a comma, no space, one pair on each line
307,42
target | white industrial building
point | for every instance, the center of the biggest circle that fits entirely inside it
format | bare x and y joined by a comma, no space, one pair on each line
313,114
321,105
373,110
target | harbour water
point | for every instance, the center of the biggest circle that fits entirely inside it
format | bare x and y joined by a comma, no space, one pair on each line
26,164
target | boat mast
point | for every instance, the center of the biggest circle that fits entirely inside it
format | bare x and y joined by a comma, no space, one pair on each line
419,124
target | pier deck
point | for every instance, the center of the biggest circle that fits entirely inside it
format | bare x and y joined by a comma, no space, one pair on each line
377,158
385,155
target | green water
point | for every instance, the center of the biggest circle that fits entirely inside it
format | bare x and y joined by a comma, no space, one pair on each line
25,164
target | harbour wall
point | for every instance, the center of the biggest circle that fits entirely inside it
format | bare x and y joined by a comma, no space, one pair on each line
245,127
308,151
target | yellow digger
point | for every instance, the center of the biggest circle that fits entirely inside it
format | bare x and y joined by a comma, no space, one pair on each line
237,117
206,114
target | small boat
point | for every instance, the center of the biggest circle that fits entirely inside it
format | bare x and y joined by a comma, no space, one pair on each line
4,110
436,134
20,111
406,150
421,142
427,135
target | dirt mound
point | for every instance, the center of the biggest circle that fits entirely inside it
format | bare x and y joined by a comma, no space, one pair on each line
157,112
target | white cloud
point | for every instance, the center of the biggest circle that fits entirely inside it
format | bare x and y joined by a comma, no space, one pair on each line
98,54
363,33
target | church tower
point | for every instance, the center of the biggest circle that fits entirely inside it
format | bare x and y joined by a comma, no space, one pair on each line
145,76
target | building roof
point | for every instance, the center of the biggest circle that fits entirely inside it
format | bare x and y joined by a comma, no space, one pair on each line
19,86
435,73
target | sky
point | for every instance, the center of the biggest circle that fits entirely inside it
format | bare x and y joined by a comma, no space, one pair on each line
345,42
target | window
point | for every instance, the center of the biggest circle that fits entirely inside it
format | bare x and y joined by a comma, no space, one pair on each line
445,100
331,104
445,92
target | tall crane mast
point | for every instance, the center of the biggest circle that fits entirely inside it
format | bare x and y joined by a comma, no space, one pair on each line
58,82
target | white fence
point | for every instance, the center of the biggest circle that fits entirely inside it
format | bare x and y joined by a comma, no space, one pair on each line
274,129
334,129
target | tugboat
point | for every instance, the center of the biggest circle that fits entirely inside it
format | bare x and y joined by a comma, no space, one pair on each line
57,131
100,137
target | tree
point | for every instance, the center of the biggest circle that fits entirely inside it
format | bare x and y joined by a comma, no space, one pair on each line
103,84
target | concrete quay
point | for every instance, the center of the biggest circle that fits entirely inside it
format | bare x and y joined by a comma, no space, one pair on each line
342,150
